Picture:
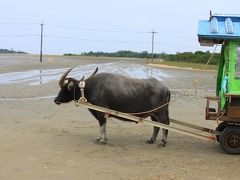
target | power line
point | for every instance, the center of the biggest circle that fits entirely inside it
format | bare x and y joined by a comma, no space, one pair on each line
118,31
95,30
95,40
71,38
177,36
19,24
19,35
173,34
108,41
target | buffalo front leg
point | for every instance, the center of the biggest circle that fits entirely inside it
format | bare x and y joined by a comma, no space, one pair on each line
102,139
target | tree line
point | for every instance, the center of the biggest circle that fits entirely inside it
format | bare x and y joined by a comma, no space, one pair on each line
11,51
192,57
124,53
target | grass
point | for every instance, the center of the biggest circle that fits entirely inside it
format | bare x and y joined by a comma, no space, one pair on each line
188,65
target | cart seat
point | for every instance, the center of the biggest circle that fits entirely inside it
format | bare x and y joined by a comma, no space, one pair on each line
212,113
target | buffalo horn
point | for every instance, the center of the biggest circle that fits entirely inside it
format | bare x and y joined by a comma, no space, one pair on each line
61,81
95,72
82,79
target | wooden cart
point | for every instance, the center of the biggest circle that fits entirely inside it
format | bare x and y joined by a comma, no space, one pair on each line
223,29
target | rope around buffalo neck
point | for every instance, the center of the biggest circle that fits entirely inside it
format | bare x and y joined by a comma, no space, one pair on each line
82,86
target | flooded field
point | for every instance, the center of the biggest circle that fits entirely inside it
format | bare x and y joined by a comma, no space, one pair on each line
37,76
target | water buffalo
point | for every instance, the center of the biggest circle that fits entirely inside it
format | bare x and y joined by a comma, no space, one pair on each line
119,93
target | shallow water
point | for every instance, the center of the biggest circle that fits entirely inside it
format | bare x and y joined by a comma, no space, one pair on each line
36,77
28,98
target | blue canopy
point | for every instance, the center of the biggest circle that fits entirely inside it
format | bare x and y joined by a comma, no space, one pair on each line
218,28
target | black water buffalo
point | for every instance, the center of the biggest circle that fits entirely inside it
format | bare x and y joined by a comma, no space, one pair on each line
122,94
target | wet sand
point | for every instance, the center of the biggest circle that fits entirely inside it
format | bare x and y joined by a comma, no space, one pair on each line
40,140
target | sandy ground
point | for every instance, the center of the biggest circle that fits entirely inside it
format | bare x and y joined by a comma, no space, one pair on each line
40,140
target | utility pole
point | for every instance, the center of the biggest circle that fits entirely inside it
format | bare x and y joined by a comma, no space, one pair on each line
153,33
41,42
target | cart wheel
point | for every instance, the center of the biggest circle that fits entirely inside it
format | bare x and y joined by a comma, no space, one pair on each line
230,140
220,128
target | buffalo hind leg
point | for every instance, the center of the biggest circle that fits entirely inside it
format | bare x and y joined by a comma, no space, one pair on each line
164,138
153,139
162,118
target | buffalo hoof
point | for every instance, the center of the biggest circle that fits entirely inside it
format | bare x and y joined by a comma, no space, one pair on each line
97,141
163,144
101,141
150,141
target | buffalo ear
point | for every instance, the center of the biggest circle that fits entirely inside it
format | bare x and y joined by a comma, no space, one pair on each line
70,85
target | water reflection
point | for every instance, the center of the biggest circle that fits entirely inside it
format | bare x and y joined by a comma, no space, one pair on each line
37,77
28,98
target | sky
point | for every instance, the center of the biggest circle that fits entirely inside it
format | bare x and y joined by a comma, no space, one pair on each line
77,26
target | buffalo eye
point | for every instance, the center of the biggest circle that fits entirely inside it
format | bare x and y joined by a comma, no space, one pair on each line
70,85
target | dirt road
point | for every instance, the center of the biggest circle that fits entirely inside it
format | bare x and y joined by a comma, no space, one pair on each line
40,140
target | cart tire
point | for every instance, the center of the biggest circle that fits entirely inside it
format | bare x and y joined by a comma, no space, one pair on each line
230,140
220,128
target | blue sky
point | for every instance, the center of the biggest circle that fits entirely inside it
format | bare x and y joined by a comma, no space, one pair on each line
76,26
